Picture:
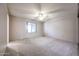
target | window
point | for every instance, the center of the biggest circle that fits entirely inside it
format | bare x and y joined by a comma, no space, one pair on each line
31,27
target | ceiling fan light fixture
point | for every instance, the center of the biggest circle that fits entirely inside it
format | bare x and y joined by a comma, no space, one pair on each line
40,15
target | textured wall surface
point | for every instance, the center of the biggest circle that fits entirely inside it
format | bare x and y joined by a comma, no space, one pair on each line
3,28
64,25
18,29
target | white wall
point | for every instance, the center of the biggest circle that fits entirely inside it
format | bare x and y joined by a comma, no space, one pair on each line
18,30
3,28
64,25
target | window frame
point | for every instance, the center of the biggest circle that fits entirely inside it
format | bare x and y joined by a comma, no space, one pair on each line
31,27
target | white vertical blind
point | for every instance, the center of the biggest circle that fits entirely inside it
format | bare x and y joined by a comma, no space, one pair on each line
31,27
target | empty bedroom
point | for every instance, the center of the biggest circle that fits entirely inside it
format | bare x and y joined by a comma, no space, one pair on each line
39,29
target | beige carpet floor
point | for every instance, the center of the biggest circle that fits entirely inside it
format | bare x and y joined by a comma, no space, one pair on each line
42,46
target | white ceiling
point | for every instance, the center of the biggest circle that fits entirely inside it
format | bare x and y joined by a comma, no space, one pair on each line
30,10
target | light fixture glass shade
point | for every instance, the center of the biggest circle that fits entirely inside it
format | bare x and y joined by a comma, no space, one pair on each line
40,15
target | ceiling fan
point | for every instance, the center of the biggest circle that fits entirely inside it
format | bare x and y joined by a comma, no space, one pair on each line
41,15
